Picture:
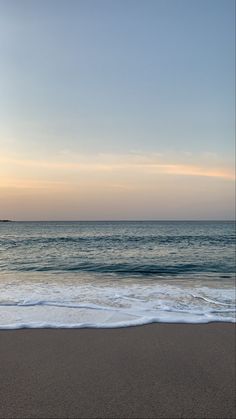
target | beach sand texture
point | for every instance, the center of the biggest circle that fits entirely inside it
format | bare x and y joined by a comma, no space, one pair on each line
153,371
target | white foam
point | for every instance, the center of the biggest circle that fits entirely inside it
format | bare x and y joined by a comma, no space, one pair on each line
42,301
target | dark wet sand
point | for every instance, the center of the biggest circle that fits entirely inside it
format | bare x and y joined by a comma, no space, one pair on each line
154,371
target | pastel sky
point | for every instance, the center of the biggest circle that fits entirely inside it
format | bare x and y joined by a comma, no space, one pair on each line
116,109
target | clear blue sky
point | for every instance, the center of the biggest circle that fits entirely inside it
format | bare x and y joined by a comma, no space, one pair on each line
119,78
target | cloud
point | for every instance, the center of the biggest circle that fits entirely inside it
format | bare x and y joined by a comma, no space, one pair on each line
14,183
70,166
107,186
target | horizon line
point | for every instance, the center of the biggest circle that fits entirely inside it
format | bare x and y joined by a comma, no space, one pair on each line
121,220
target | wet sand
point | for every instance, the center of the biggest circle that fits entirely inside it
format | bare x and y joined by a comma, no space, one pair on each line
154,371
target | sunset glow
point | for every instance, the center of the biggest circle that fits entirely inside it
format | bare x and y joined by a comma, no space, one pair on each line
96,126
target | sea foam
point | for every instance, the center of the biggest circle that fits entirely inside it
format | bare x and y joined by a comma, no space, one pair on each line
76,301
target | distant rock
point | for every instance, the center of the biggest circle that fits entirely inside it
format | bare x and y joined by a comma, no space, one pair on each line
5,221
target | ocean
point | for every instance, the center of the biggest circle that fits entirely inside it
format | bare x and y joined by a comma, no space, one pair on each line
116,274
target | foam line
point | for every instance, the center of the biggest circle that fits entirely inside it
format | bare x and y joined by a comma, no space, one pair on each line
139,322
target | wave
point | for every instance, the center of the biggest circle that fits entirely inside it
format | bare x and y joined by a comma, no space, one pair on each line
63,302
54,304
208,300
91,306
127,268
120,239
17,315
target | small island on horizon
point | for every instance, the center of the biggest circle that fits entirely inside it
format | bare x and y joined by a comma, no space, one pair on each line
5,221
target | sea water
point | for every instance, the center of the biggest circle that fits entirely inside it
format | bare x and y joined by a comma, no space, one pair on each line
116,274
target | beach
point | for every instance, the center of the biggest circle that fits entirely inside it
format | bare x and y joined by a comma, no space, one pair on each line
152,371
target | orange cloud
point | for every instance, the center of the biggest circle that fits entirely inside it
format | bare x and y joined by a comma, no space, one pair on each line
108,163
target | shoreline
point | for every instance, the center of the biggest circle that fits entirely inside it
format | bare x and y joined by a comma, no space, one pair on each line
159,370
112,327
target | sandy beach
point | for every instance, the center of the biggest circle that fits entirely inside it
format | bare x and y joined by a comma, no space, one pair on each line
153,371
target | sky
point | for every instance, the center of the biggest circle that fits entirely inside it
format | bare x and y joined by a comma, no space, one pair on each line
117,109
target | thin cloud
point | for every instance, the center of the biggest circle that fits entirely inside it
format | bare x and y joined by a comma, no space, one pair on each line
129,164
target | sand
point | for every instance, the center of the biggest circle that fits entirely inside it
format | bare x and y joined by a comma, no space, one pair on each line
154,371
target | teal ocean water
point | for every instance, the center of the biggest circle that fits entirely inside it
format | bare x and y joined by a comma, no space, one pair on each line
116,274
